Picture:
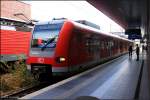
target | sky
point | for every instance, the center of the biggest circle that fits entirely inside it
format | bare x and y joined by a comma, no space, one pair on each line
74,10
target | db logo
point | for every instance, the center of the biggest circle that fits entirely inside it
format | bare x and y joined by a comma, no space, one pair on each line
41,60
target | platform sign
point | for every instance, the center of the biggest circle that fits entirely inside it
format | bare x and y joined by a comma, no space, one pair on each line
133,31
134,36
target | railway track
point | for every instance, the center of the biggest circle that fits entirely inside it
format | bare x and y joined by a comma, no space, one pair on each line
27,90
31,89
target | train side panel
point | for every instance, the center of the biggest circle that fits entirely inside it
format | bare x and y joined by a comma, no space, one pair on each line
77,47
89,47
13,44
63,45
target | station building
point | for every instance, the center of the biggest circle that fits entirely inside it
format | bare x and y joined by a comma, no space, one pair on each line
15,13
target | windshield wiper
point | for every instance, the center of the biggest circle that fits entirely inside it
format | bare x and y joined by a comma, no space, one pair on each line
48,42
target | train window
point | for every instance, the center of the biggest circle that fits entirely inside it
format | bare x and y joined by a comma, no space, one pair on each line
106,44
111,44
87,41
102,44
92,44
47,33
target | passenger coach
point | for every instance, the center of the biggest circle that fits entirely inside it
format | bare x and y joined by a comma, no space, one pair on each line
63,46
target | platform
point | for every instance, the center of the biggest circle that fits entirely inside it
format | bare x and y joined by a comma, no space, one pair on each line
116,79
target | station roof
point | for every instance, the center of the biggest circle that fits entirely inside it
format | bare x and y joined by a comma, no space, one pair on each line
127,13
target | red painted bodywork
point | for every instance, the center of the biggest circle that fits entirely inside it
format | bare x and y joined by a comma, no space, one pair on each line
72,46
14,42
36,60
61,50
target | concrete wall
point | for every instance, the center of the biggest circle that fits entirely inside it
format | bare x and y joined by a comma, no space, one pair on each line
9,8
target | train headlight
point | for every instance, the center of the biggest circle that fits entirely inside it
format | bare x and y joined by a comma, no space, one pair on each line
60,59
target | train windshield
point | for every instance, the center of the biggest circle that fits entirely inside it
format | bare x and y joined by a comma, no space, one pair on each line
44,34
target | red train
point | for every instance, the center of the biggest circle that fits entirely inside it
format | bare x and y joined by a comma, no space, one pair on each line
63,46
13,44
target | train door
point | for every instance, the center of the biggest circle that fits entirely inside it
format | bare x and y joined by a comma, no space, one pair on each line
110,44
102,47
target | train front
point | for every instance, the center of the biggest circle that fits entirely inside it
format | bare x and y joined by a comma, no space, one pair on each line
42,51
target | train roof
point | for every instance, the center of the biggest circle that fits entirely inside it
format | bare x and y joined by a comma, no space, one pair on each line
100,32
85,22
50,22
81,25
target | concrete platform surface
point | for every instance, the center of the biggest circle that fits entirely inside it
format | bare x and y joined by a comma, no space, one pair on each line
116,79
